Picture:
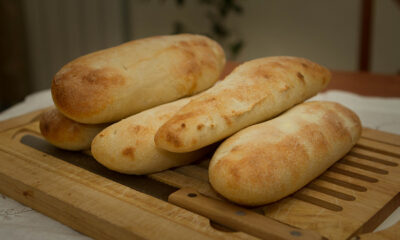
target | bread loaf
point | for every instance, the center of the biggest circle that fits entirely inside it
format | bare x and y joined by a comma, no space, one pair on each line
65,133
268,161
128,145
255,91
114,83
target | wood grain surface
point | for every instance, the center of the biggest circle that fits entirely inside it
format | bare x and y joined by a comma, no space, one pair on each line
90,203
351,198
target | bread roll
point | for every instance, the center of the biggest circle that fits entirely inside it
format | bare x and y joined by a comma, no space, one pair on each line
128,145
255,91
65,133
114,83
268,161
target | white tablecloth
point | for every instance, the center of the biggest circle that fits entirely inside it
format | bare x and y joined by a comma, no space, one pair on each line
20,222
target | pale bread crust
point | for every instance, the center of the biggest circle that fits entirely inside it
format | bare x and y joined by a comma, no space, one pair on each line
108,85
128,145
268,161
255,91
65,133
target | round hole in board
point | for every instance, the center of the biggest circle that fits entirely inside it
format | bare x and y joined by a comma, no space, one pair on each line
240,213
220,227
192,195
295,233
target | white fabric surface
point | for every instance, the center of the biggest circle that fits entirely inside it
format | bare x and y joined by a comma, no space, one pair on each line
20,222
32,102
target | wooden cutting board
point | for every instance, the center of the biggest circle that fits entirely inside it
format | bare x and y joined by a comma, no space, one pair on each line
352,197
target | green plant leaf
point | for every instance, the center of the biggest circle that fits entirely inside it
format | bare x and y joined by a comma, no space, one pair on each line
178,27
180,2
236,48
220,30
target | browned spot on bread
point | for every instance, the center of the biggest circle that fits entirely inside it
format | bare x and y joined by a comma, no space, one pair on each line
209,100
348,114
334,125
165,116
200,42
276,64
312,134
193,58
184,44
353,118
101,135
227,120
129,152
208,63
200,126
80,91
262,71
192,89
326,79
223,166
313,107
304,65
301,77
288,153
266,75
254,167
235,148
179,118
183,125
172,138
189,68
56,127
189,54
235,172
135,129
44,126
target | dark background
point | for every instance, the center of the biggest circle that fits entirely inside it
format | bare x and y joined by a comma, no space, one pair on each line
39,36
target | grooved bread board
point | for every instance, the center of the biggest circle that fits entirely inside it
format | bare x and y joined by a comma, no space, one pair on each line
352,197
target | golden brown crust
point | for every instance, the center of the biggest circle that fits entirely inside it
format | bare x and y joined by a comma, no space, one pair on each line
128,145
104,86
268,161
66,133
253,92
83,91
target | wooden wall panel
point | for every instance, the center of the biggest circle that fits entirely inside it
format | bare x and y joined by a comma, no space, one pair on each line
60,31
13,64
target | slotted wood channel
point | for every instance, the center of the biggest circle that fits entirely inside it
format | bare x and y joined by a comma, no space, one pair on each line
350,198
346,199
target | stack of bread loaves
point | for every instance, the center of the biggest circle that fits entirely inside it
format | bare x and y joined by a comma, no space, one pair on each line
267,153
103,87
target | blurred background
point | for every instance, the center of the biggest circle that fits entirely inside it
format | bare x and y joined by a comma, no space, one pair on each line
39,36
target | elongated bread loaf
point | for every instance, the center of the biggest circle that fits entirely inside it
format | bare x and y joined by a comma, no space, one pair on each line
128,145
255,91
65,133
114,83
268,161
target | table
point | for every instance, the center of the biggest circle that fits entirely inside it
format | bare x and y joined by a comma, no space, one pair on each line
375,98
363,83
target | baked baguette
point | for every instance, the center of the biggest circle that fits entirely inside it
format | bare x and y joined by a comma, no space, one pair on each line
268,161
255,91
65,133
114,83
128,145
